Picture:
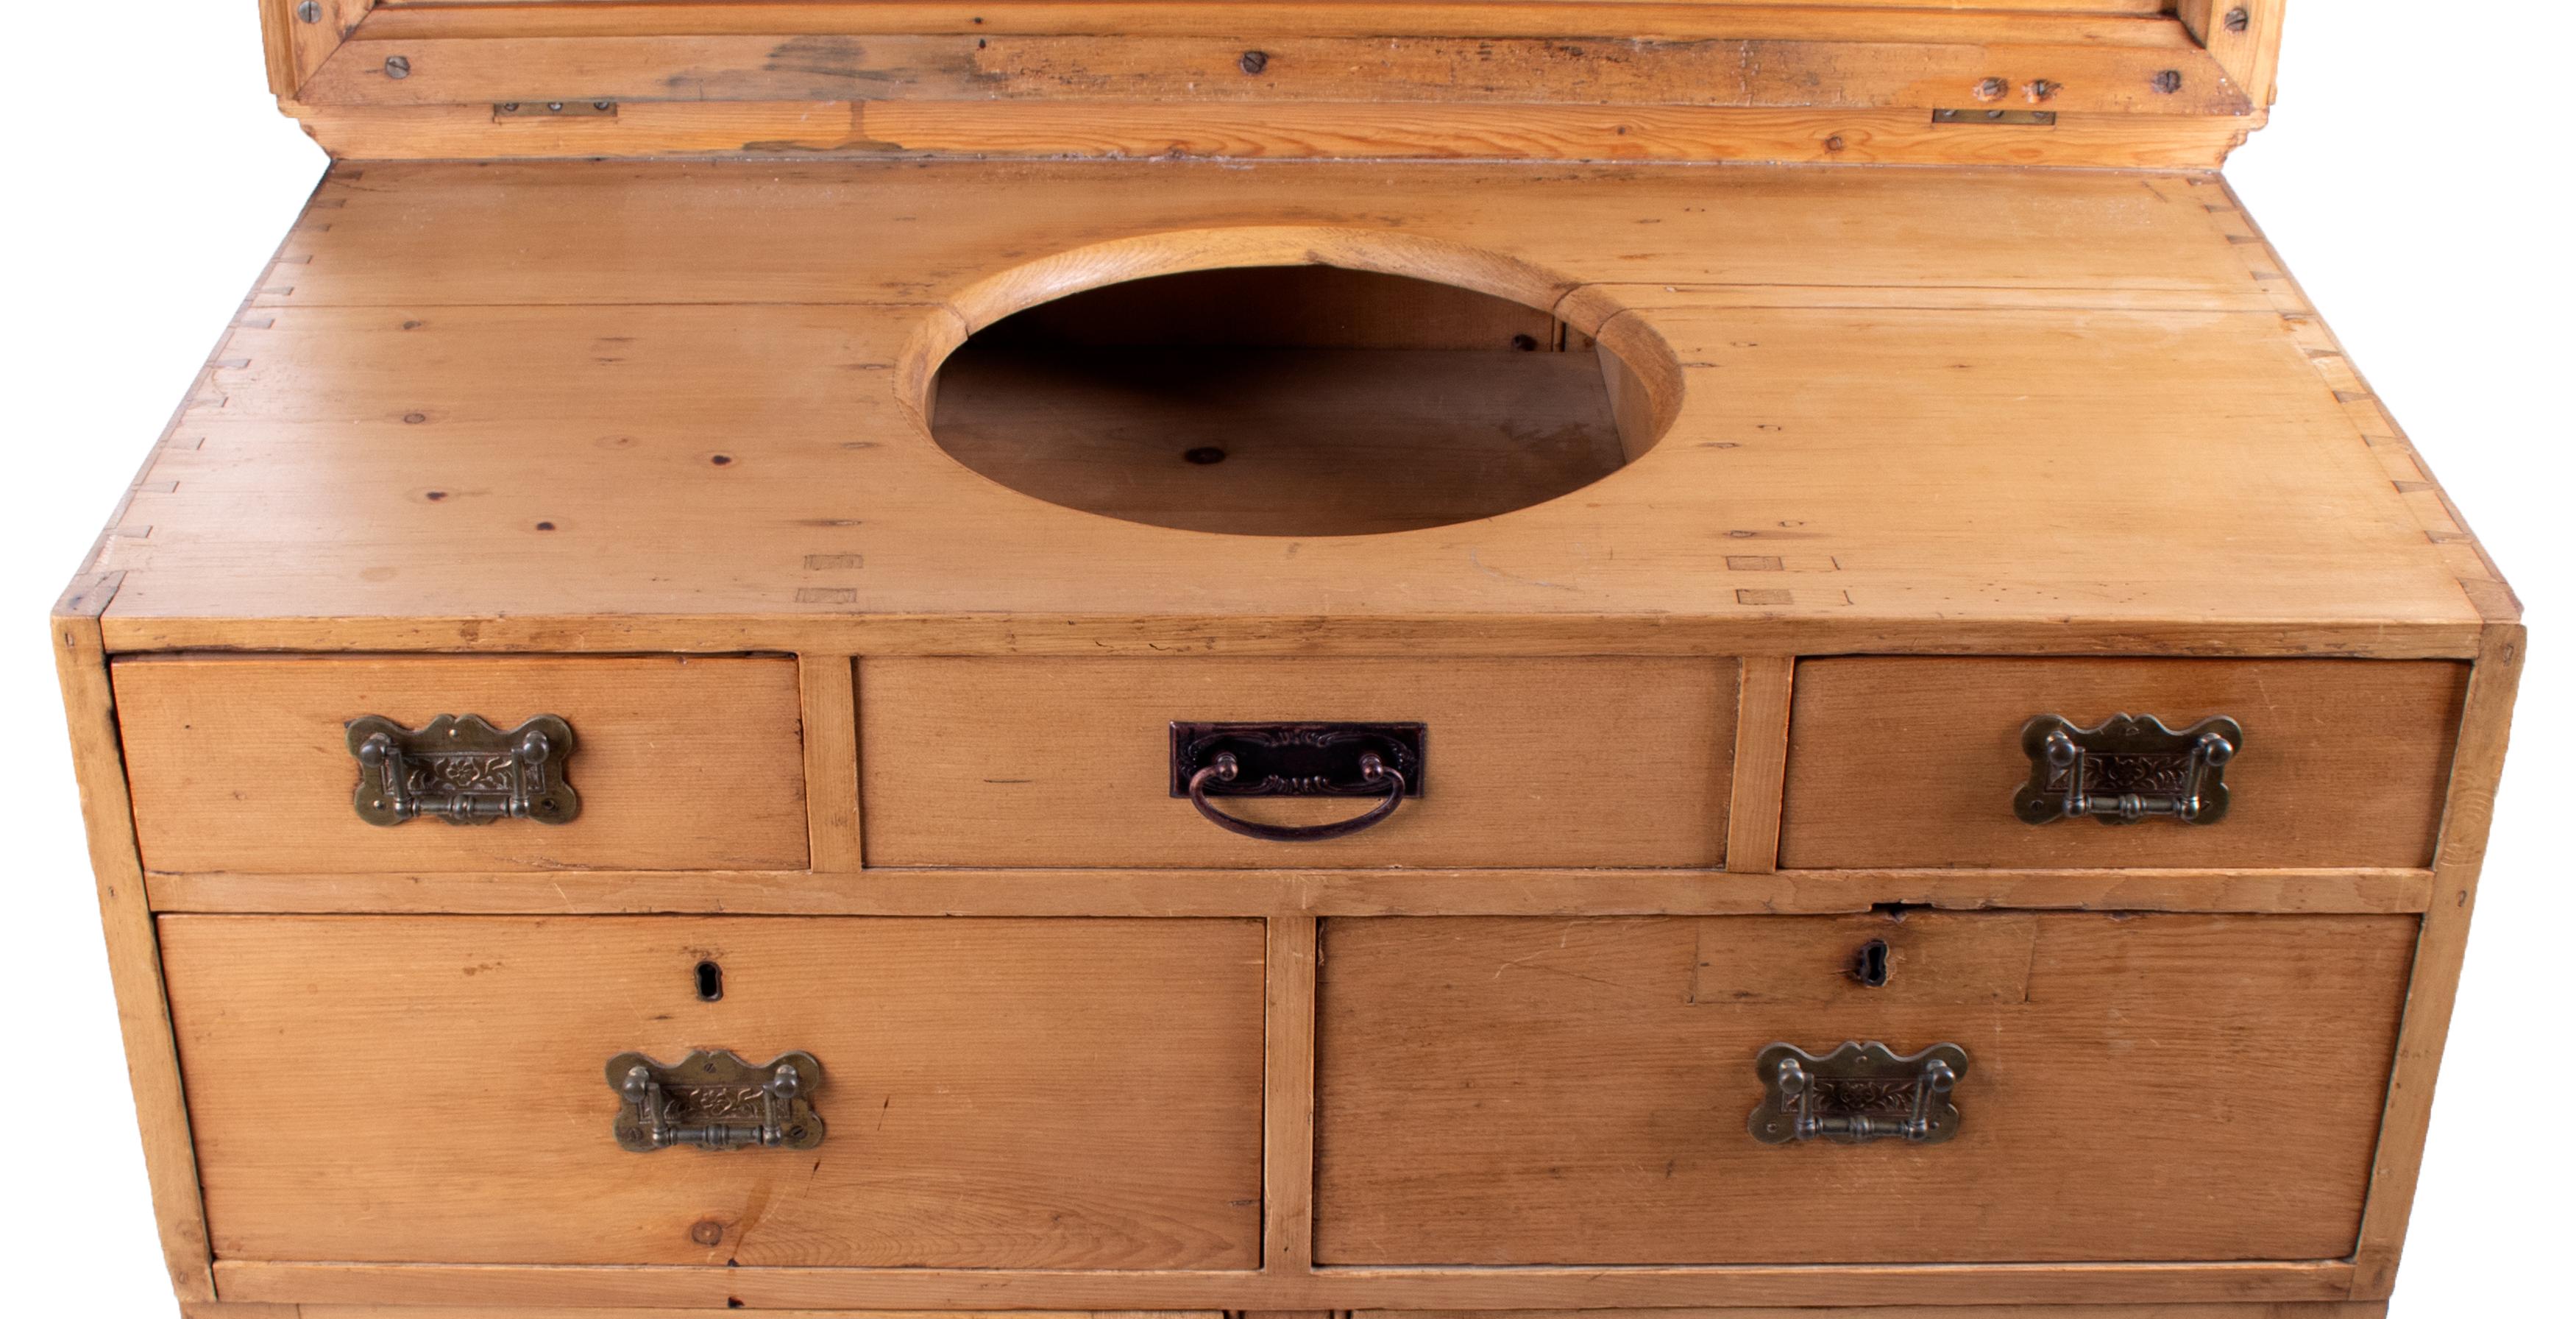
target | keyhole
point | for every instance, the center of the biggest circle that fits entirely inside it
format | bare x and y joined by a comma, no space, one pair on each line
710,982
1870,967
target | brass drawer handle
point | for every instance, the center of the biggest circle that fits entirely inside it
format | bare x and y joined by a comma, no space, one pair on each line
1856,1094
714,1100
1297,760
461,769
2127,768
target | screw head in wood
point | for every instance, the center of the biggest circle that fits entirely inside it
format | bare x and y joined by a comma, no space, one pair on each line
310,11
2040,89
2169,81
397,66
2238,20
1254,61
1992,89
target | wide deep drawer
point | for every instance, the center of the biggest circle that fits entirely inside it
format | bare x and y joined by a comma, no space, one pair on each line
993,1093
678,763
1560,762
2159,1087
1898,762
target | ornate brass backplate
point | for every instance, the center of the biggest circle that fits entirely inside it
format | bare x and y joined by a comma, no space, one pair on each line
712,1099
1857,1093
2128,768
461,769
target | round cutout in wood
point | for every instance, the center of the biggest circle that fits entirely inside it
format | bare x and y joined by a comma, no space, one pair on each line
1278,383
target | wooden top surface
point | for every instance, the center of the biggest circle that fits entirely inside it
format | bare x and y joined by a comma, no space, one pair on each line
2146,83
612,405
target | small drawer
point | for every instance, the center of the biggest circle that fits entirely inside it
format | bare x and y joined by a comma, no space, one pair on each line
1898,762
676,763
1559,762
2162,1087
970,1093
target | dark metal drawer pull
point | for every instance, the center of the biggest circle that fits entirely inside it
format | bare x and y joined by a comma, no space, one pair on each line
2126,769
1856,1094
714,1100
461,769
1297,760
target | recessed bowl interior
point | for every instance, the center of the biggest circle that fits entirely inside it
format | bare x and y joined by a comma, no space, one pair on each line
1305,400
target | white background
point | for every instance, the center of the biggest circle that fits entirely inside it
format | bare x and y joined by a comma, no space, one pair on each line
2414,174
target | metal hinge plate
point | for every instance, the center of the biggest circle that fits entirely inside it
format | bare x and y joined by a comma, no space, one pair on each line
2044,118
554,109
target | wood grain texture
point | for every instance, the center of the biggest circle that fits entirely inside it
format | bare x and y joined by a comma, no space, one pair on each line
1269,131
2222,1310
1175,892
1761,761
116,863
2400,461
295,49
1001,762
1933,958
2121,22
236,1310
1541,1092
1080,1094
1556,81
1312,442
2250,54
412,236
1914,762
2468,810
2046,305
827,686
1288,1098
583,1312
133,948
1859,69
243,764
1295,307
1592,1288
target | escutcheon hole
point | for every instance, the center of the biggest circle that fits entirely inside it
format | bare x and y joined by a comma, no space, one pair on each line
710,982
1870,965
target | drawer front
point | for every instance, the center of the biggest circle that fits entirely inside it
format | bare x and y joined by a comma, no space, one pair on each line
1916,761
2164,1087
993,1093
1576,762
678,763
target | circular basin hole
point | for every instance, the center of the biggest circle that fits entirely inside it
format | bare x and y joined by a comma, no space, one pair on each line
1293,401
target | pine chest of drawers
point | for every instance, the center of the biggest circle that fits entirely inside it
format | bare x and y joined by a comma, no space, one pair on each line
1193,658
